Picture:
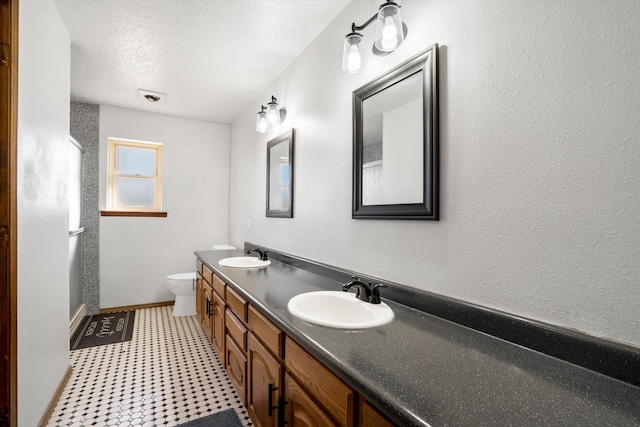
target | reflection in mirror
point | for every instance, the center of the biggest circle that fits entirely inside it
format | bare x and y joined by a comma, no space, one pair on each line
395,146
280,176
392,144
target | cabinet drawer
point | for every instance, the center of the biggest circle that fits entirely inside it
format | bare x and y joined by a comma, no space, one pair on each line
236,330
322,385
370,417
237,304
268,333
218,284
207,274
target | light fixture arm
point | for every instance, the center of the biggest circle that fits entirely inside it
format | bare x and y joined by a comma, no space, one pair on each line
355,27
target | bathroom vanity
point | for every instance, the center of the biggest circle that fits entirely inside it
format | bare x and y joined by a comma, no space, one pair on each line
417,370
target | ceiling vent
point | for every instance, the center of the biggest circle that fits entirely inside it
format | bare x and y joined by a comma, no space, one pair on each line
153,97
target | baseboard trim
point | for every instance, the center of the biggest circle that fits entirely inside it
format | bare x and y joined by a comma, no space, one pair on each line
77,318
135,307
55,398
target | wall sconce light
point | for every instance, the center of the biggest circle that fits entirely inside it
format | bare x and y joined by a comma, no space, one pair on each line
262,125
270,115
390,33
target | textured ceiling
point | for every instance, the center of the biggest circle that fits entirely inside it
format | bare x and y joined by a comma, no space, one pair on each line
211,57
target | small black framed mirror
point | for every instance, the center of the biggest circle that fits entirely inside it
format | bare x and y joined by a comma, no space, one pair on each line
395,142
280,176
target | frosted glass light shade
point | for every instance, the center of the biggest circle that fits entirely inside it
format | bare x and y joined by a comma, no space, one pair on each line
262,125
353,53
273,113
389,33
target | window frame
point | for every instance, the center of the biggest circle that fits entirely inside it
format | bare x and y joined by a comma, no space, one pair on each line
113,175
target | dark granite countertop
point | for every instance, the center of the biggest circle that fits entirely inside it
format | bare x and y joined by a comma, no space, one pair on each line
422,370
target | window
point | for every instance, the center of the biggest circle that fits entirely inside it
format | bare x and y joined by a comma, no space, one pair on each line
135,176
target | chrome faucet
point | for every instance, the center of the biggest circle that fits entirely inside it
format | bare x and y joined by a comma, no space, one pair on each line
363,292
262,254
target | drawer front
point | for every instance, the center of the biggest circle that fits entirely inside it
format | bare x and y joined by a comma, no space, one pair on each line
237,304
371,417
236,330
207,274
322,385
268,333
218,284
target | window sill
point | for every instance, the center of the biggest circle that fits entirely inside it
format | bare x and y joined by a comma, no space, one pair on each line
128,213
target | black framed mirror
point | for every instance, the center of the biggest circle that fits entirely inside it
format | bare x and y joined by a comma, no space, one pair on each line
395,142
280,176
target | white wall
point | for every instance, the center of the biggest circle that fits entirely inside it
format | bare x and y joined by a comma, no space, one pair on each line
136,254
540,184
43,240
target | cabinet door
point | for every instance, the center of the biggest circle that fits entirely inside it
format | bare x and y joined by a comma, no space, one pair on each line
219,308
264,391
199,298
207,319
300,410
237,368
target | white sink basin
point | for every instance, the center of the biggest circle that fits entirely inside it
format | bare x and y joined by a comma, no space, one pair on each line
339,310
243,262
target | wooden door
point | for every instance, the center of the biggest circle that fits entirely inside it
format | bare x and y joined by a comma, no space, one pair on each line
207,319
8,210
300,410
199,299
236,366
219,327
265,388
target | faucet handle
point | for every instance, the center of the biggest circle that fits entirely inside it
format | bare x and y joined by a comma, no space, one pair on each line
375,293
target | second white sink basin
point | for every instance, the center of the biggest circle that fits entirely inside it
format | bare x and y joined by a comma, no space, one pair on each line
340,310
243,262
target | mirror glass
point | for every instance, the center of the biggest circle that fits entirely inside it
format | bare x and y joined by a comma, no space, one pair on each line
395,142
392,144
280,176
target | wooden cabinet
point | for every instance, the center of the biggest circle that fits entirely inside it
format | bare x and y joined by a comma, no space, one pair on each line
300,410
236,365
237,304
199,296
277,380
207,315
265,388
370,417
336,398
219,330
269,334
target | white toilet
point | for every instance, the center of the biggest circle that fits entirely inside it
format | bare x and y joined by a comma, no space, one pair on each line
183,285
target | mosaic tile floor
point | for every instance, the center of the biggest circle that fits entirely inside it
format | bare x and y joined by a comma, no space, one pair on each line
166,375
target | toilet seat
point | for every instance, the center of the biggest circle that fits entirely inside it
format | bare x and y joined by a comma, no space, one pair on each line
182,277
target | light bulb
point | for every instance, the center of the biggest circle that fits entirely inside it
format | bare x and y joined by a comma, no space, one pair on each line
273,112
389,44
389,31
262,125
354,57
273,116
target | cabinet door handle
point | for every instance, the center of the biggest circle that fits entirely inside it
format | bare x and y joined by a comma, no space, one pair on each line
207,309
281,420
209,305
271,407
